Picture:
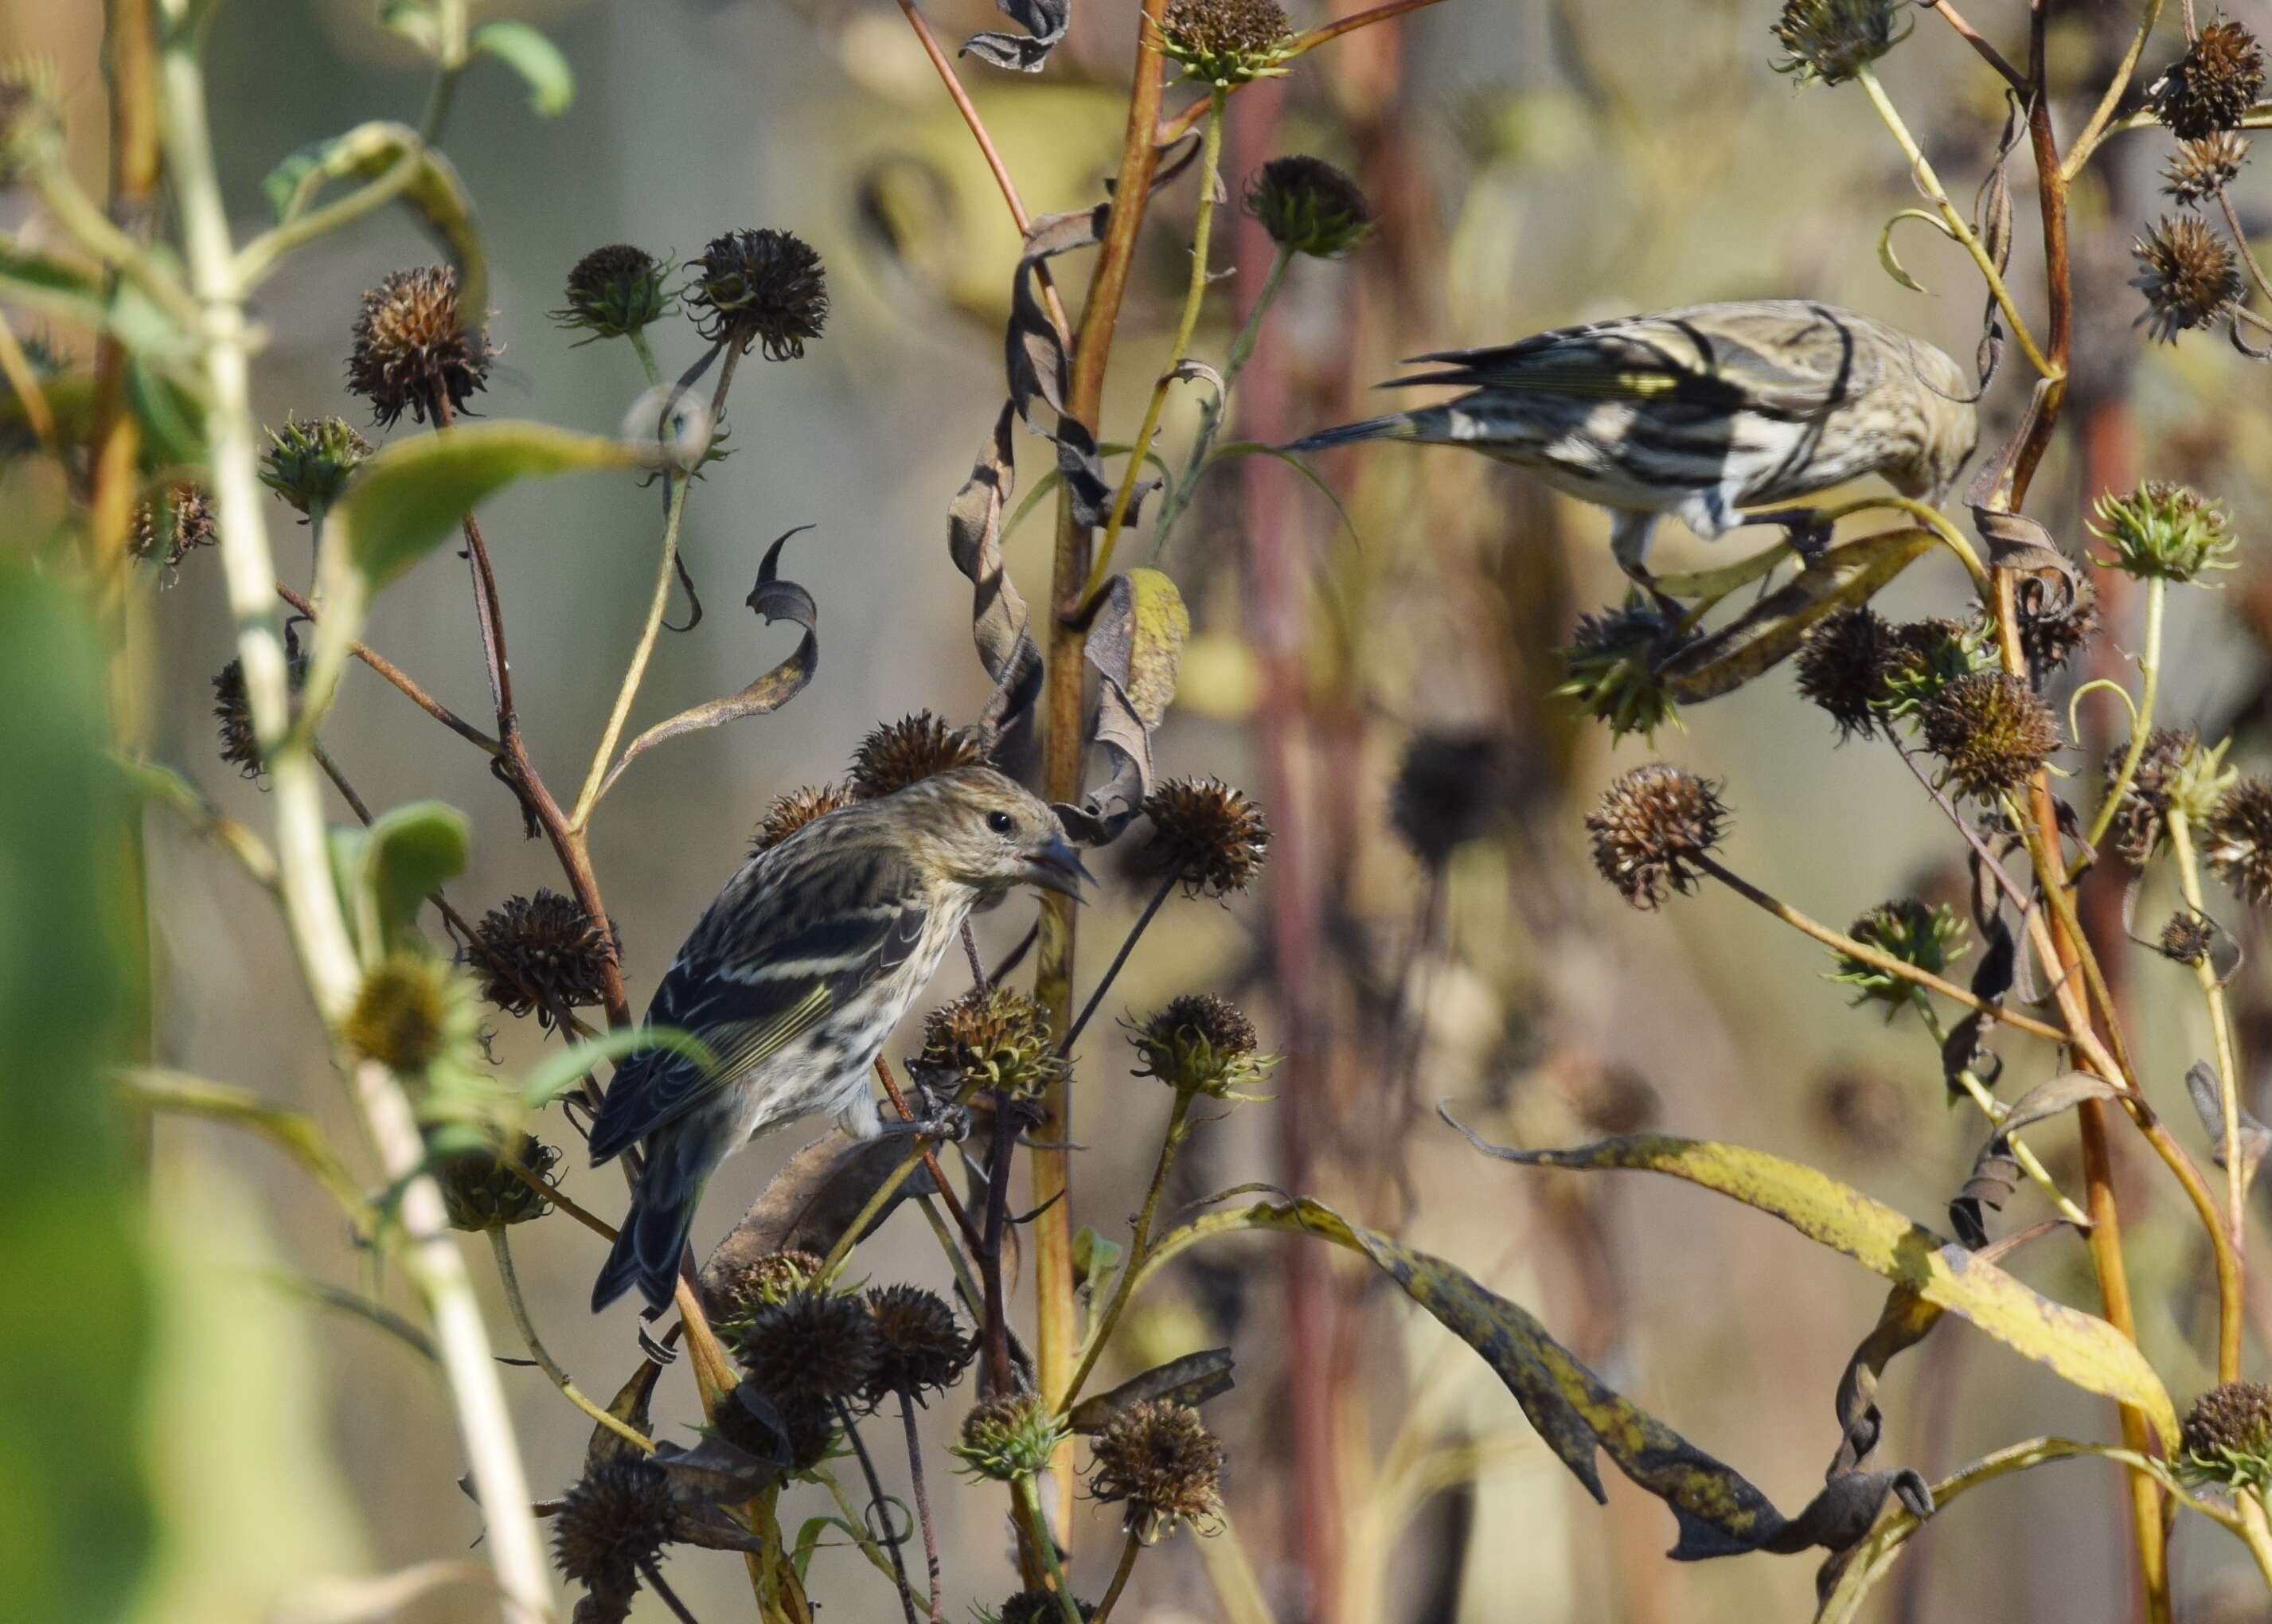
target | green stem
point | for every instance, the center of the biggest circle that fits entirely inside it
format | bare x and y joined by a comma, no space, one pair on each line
1045,1546
545,1362
1195,296
2149,675
2228,1069
1128,1550
1213,415
82,218
1177,1131
845,1242
257,258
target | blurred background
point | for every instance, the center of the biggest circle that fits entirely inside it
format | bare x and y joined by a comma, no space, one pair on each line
1533,164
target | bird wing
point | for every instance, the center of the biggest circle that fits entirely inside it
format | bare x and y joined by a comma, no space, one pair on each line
1785,357
770,959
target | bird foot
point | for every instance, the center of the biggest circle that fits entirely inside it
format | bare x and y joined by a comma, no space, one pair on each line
949,1123
1810,536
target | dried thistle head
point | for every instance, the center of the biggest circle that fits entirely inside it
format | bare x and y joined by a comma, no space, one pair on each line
1200,1043
2187,272
2228,1436
992,1038
614,291
2187,937
763,287
1450,789
1609,666
1008,1438
479,1193
896,754
1037,1607
613,1525
2166,530
1930,937
1831,41
740,1291
2198,170
1227,42
1841,668
1922,657
414,350
1161,1460
2214,85
2141,817
1206,834
2240,840
792,812
1990,731
171,528
541,954
1309,206
923,1347
307,463
813,1343
2051,632
1652,826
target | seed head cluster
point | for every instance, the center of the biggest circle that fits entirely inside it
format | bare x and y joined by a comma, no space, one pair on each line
2165,530
1609,666
896,754
992,1038
1226,43
1309,206
614,291
307,463
921,1346
1008,1438
1202,1044
1991,733
1450,789
613,1525
1831,41
1652,826
414,350
2140,817
2188,273
172,527
2198,170
750,1285
2238,840
541,955
2228,1436
479,1193
1928,936
1159,1460
813,1343
2187,937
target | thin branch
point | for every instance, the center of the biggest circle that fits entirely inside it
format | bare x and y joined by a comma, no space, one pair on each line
923,1501
402,680
545,1361
875,1502
1971,36
1113,970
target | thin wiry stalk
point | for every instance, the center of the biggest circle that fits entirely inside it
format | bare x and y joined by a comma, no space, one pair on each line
877,1502
1113,970
545,1362
923,1501
1129,1548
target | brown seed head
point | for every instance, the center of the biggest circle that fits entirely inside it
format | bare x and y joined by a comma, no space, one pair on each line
1206,834
2187,937
614,1523
2228,1435
614,291
808,1345
763,287
2198,170
2140,823
2240,840
792,812
413,350
1308,206
924,1347
992,1038
1226,41
1008,1438
1651,827
1200,1043
2188,275
1991,733
541,954
896,754
169,530
1160,1460
1450,789
2214,85
1841,668
749,1286
2055,624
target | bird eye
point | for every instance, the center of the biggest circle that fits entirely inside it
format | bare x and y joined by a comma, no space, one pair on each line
1000,822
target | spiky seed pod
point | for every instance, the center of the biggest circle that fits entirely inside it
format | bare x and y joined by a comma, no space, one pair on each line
1308,206
742,1290
1038,1607
1159,1459
1450,789
2049,637
809,1345
1202,1044
401,1016
613,1524
1929,937
2164,529
2198,170
614,291
1922,657
2187,937
307,463
1864,1110
1609,666
1206,834
1226,43
1841,668
798,1436
415,351
992,1038
479,1193
1008,1438
2141,817
792,812
541,954
2187,272
2240,840
1990,731
763,287
2214,85
171,528
1830,41
923,1346
2228,1436
1651,827
896,754
240,744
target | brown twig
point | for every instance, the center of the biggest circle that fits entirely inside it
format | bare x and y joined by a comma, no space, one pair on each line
1971,36
923,1501
898,1099
402,680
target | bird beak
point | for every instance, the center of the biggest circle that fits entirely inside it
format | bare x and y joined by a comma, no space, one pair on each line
1058,867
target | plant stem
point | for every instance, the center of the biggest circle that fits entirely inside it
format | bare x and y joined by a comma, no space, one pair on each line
2228,1067
1080,1021
1178,1116
2097,130
1129,1548
545,1362
651,1572
2149,676
402,680
923,1501
875,1501
1029,1505
1194,298
1214,412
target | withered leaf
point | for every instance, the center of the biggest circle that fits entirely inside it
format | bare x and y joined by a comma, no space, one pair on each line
2208,1104
1044,21
1191,1380
813,1200
1995,1173
629,1406
1136,643
999,622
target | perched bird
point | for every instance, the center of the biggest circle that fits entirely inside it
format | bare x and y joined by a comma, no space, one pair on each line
795,977
1703,413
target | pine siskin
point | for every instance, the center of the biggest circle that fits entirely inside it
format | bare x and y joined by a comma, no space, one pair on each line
794,978
1703,413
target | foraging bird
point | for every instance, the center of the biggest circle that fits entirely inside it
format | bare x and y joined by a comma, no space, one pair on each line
794,978
1703,413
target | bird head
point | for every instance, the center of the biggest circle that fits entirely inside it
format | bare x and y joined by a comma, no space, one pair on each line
987,833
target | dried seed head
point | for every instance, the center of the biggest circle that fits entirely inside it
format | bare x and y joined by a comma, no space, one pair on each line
1609,666
992,1038
541,954
172,527
2240,840
923,1346
1205,833
1833,40
1866,1110
2187,937
402,1014
2140,817
479,1193
1200,1043
1227,42
1991,733
415,351
2198,170
792,812
749,1286
2228,1436
808,1345
898,753
1160,1460
2164,529
1008,1438
1841,668
307,463
1450,789
1929,937
2214,85
1308,206
614,1523
1038,1607
31,115
614,291
2049,636
763,287
1922,657
2188,275
1651,827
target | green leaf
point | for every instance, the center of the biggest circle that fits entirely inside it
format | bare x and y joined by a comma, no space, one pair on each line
414,22
409,853
2082,1348
1256,448
432,189
1886,246
551,82
561,1071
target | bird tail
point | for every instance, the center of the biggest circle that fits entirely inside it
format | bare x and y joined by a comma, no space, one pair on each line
1397,426
653,1238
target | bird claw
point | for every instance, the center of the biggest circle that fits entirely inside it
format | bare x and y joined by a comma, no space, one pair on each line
1810,537
949,1123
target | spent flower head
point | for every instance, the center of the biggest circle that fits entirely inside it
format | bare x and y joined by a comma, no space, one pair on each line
2166,530
813,1343
1450,789
2187,937
414,350
1652,826
541,955
2228,1437
2141,816
895,754
1159,1460
764,286
240,742
2198,170
992,1038
2214,84
307,463
1227,42
1309,206
1990,731
479,1192
2238,840
790,812
1611,665
613,1525
2055,621
1929,937
1841,668
412,1012
1831,41
741,1290
171,526
1202,1044
1008,1438
2188,273
1206,835
1035,1607
923,1347
614,291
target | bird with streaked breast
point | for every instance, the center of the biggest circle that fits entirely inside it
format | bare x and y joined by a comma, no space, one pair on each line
794,978
1703,413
